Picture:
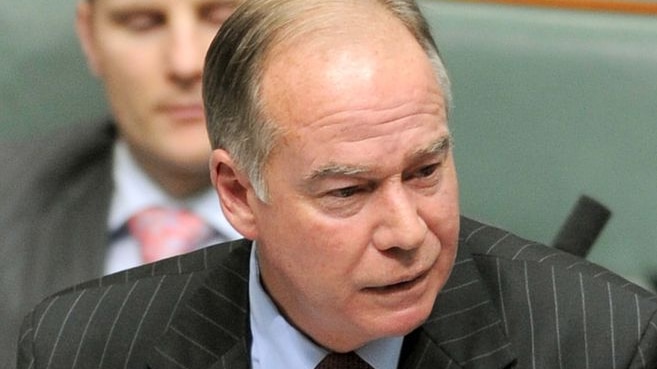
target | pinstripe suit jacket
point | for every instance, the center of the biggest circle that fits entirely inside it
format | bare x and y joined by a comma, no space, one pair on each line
508,303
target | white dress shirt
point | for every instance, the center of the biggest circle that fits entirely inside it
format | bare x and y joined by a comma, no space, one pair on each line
278,345
134,191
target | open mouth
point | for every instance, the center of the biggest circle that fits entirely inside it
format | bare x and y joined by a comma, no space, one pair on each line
401,286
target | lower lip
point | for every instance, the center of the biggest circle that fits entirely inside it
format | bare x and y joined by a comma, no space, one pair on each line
185,114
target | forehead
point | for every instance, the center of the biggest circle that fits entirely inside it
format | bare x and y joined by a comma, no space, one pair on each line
373,67
368,96
141,3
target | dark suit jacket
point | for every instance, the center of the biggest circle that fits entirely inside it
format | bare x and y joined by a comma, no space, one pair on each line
508,303
54,201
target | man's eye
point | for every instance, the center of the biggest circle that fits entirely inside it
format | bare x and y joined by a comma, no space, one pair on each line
345,192
427,170
216,13
140,21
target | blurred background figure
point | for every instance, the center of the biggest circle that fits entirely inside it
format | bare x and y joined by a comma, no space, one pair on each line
94,198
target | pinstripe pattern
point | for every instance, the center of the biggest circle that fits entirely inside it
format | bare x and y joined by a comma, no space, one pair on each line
585,340
555,297
562,311
508,303
532,327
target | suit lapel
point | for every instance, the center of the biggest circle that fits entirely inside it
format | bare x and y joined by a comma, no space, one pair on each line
464,329
211,329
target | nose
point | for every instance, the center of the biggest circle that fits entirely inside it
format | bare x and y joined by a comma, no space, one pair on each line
185,54
400,224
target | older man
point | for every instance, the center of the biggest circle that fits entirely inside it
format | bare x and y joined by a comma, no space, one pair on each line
332,154
69,200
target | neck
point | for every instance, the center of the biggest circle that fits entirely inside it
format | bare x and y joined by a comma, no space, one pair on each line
179,181
180,186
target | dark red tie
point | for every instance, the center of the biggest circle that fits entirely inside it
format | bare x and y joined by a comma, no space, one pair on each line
343,361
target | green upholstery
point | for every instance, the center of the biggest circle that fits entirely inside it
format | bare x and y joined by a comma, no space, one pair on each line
548,105
551,104
44,81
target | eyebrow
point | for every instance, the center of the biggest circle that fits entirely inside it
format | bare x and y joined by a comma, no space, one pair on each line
437,148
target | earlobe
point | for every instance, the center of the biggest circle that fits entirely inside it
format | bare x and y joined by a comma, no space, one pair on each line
233,189
84,28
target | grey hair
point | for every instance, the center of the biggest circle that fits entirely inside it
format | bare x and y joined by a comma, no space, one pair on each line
237,57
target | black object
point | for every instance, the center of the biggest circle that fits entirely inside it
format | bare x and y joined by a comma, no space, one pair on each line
582,227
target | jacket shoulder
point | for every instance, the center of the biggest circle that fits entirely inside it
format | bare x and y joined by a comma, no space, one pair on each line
135,306
228,255
489,242
551,302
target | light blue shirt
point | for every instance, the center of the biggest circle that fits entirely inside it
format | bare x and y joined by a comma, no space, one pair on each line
134,191
278,345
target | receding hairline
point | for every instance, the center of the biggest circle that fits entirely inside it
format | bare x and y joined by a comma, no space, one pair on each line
322,20
322,24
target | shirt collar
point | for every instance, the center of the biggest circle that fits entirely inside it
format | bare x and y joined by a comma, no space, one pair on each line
134,191
277,344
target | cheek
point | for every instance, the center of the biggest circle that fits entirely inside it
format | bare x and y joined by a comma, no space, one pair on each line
131,83
321,244
207,37
128,67
442,214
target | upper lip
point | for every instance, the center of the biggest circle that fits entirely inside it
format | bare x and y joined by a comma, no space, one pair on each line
404,279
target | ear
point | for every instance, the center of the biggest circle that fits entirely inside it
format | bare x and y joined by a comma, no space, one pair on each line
235,192
85,30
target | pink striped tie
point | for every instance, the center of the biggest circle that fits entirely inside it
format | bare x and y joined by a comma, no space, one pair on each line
165,232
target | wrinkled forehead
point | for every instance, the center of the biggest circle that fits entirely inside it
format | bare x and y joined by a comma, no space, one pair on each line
364,63
326,21
233,3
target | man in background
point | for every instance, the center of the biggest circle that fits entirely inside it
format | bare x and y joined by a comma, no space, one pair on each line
82,202
333,158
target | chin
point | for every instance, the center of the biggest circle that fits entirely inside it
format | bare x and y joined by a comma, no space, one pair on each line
185,162
404,322
188,138
193,154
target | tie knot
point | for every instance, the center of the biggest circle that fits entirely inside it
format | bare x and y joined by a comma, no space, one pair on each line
349,360
163,232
